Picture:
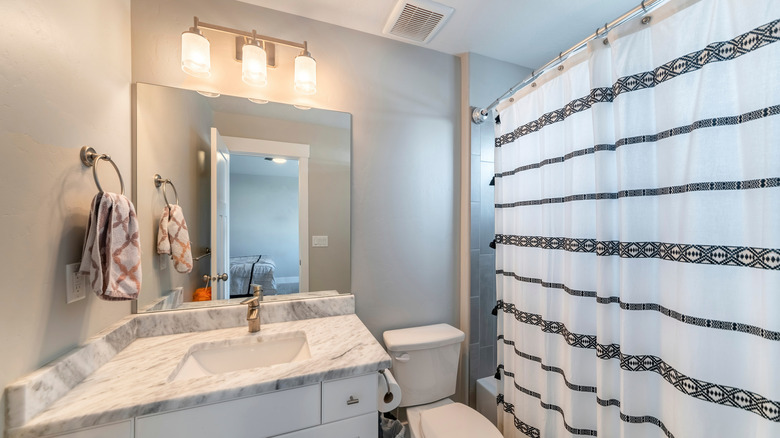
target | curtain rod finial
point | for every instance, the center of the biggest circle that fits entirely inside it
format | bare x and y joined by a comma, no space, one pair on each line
479,115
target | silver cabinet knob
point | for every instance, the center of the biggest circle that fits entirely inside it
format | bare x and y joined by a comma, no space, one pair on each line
222,277
352,400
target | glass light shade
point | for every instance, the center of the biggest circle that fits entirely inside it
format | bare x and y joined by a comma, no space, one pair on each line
305,74
279,160
195,56
254,70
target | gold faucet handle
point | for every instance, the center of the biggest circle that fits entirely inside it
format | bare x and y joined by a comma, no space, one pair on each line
252,301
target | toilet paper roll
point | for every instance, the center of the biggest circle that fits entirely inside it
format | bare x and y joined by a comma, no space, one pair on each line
388,392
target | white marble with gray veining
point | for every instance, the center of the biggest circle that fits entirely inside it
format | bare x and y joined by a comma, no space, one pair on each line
123,371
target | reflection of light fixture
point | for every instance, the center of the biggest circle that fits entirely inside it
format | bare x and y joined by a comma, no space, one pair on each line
208,93
277,160
257,101
195,56
254,69
305,72
254,55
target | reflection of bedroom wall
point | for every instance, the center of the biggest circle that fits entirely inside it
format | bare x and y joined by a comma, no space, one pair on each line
172,124
329,189
264,219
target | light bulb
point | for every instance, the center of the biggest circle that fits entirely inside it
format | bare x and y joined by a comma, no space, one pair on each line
254,70
195,56
279,160
305,74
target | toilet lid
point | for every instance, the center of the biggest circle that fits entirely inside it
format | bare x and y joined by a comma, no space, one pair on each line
456,420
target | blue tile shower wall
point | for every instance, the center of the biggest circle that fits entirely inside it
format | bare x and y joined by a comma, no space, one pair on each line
482,360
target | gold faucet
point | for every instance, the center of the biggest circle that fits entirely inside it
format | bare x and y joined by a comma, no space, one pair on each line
253,309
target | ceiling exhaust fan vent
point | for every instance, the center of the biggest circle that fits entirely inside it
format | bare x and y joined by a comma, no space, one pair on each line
417,20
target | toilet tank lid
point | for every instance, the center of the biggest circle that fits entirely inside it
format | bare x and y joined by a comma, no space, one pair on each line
420,338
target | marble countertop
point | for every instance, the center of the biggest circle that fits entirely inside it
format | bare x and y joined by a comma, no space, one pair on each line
138,379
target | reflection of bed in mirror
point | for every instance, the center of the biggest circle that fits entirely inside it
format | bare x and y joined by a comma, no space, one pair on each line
258,269
248,270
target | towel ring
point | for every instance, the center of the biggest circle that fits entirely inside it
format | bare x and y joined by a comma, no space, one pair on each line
159,181
90,158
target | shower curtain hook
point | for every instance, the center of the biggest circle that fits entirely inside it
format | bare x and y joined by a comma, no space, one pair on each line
643,6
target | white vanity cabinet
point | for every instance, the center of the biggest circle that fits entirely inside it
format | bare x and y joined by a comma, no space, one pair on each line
343,408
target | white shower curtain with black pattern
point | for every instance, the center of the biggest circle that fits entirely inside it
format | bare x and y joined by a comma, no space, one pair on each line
638,232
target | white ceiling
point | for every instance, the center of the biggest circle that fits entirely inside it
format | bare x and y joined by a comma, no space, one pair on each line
524,32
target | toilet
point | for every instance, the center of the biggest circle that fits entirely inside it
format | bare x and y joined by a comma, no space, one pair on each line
425,364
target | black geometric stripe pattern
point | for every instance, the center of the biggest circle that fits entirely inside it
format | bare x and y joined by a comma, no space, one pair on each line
681,317
700,389
715,52
762,183
552,407
751,257
554,327
548,368
635,419
509,408
711,392
680,130
547,284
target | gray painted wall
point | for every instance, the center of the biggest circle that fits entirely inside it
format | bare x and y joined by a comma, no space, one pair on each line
405,106
264,219
64,83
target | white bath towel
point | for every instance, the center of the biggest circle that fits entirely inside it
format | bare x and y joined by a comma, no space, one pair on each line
112,248
174,239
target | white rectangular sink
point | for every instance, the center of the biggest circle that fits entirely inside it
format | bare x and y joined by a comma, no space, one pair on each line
209,358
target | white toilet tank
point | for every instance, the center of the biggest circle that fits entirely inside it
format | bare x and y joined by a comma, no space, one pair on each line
425,361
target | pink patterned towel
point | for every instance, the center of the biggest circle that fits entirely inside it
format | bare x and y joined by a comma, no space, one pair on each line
174,239
112,249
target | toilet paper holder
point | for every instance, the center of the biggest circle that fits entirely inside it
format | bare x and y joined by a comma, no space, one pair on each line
388,395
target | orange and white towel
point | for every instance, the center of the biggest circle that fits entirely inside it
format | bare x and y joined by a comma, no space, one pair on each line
174,239
112,248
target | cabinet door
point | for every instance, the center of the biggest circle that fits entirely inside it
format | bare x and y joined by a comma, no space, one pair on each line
348,397
123,429
364,426
260,416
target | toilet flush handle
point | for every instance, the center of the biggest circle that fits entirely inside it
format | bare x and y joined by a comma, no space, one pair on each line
403,357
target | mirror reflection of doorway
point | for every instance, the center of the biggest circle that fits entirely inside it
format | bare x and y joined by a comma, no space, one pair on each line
268,217
264,217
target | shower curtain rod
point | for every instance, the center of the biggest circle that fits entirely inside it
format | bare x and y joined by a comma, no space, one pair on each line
479,115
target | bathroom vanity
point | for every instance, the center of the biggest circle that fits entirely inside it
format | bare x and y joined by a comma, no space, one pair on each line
199,373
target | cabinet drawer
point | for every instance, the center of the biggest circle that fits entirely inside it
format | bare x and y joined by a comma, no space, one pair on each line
364,426
348,397
123,429
252,417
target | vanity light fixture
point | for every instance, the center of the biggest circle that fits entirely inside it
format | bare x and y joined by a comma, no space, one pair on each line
305,72
195,52
254,63
255,52
257,101
277,160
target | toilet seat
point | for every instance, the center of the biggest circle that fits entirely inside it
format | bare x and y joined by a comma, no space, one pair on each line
456,420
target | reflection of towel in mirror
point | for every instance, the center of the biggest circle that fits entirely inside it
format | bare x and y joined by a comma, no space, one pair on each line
112,249
174,239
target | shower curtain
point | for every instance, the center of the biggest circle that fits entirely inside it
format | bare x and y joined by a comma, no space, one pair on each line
637,195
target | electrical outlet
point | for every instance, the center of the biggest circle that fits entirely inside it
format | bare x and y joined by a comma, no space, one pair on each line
319,241
75,283
164,261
